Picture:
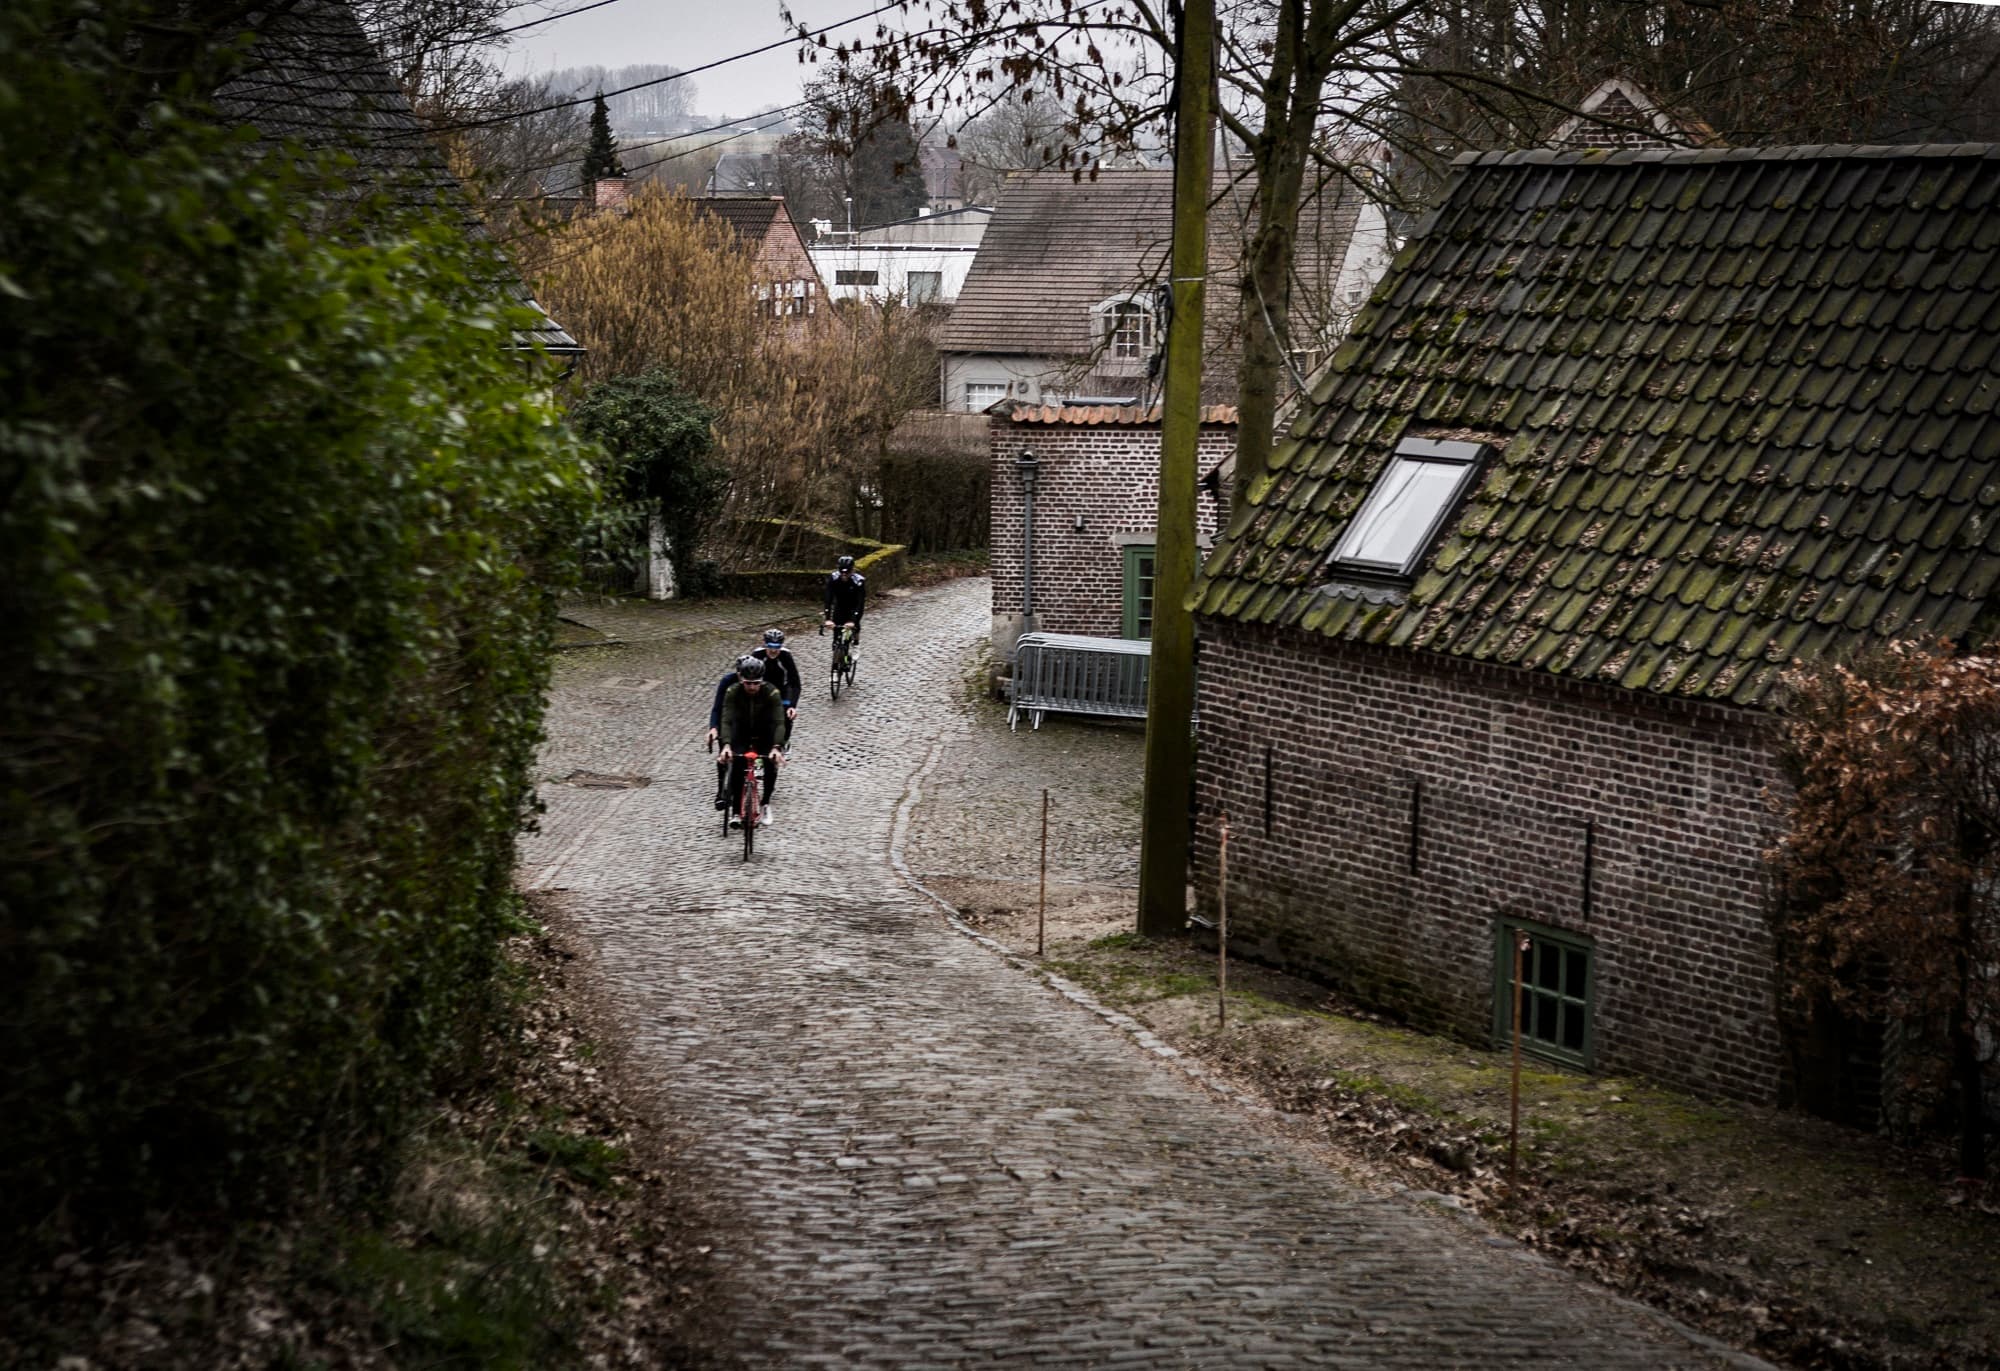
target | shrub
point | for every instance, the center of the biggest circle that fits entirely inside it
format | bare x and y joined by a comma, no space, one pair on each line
278,551
658,441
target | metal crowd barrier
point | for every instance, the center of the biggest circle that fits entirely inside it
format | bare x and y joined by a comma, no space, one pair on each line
1067,673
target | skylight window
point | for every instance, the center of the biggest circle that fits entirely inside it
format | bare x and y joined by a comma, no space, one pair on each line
1394,527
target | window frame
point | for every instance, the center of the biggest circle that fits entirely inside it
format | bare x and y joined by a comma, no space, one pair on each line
933,280
1504,928
856,276
1128,583
1471,457
973,408
1108,314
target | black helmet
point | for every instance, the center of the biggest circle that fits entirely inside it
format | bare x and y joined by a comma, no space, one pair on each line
774,637
749,669
844,564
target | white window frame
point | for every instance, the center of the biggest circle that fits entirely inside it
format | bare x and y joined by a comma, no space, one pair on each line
1107,315
974,408
1411,455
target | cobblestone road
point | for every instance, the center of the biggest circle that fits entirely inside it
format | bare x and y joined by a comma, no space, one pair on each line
930,1159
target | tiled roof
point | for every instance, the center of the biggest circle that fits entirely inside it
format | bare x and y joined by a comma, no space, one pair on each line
751,218
1054,248
314,79
1747,405
1058,246
1109,414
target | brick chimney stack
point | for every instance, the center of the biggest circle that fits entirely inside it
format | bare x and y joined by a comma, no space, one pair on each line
611,193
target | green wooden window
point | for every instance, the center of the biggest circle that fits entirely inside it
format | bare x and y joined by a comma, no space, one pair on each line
1138,592
1556,974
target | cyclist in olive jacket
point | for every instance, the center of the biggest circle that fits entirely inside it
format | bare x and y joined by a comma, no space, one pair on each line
752,720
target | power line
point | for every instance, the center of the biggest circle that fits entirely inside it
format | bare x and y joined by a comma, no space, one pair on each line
783,112
516,28
800,36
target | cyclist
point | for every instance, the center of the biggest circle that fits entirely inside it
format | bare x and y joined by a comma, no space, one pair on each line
846,597
752,720
781,672
729,679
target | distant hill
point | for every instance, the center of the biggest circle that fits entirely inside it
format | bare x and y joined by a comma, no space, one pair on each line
658,109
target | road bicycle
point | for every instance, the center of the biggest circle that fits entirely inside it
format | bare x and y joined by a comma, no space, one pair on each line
844,660
749,804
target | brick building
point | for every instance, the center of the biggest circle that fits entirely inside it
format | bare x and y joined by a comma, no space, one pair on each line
1096,479
788,284
1623,435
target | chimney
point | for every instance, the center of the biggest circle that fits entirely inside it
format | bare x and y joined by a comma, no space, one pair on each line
611,192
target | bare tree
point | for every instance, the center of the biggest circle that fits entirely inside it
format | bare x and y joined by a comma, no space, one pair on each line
1313,88
1021,132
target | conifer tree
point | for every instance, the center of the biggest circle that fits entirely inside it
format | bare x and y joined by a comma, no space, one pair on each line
601,158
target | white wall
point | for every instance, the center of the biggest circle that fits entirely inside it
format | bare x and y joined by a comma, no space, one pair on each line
1023,377
892,264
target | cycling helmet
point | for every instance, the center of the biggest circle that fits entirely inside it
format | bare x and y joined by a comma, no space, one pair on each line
844,564
750,669
774,637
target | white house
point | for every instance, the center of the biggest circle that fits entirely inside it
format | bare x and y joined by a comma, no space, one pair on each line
924,260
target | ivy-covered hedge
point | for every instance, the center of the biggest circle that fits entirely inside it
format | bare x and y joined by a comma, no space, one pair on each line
281,528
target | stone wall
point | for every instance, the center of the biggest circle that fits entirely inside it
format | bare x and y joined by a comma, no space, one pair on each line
1415,801
1106,474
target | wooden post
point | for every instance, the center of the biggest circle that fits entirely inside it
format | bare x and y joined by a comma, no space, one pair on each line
1514,1093
1042,909
1222,928
1163,831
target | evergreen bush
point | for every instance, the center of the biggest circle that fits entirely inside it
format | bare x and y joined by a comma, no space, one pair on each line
281,532
659,444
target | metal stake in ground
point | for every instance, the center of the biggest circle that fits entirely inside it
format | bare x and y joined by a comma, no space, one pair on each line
1222,927
1514,1092
1042,908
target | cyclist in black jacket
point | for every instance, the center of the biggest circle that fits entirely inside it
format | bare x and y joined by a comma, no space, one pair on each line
846,596
752,719
783,675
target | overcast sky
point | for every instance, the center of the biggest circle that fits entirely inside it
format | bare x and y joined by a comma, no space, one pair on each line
688,33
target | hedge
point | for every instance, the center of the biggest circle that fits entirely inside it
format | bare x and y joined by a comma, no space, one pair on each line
278,556
883,564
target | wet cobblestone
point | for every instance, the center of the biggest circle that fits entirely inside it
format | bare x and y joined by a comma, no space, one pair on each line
933,1160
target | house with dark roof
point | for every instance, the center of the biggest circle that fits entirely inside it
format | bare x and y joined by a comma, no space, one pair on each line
1491,654
788,284
1059,303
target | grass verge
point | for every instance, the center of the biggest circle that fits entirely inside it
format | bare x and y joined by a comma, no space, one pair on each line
1811,1245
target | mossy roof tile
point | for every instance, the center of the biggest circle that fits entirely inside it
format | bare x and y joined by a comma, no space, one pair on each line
1749,406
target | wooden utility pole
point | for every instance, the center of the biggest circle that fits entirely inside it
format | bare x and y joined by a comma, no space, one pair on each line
1163,844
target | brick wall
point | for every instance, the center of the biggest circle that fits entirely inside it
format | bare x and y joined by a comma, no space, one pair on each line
1506,769
1109,474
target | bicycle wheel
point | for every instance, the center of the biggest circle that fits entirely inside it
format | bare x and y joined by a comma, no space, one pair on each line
728,811
836,680
751,815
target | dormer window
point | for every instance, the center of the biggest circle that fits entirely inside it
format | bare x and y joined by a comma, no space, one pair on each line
1125,324
1397,523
